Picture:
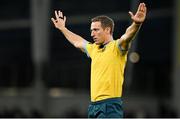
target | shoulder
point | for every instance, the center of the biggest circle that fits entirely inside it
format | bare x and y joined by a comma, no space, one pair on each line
118,47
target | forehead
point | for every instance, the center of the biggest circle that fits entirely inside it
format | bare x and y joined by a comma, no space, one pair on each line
96,24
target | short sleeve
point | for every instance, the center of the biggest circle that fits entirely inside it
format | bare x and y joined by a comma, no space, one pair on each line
88,49
120,49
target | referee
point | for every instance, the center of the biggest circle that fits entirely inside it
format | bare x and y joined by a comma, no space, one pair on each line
108,60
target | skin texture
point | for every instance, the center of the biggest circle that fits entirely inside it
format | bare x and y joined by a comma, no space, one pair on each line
100,35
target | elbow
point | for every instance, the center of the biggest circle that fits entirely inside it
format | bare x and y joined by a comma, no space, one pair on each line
77,45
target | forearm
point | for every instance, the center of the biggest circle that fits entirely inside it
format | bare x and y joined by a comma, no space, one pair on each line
129,35
73,38
131,31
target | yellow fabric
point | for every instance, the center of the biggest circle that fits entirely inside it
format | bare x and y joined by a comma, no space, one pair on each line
107,70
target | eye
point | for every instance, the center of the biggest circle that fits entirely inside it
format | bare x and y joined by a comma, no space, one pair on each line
96,29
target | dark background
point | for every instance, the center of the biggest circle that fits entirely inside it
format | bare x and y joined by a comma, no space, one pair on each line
51,79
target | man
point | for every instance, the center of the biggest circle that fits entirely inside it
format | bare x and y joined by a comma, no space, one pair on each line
108,60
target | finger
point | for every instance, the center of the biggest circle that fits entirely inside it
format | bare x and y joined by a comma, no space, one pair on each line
56,14
139,7
60,14
53,20
144,4
145,9
64,18
142,7
131,14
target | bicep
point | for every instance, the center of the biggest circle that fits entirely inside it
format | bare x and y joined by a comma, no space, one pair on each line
81,44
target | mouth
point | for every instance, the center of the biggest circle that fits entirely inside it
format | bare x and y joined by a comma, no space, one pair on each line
95,39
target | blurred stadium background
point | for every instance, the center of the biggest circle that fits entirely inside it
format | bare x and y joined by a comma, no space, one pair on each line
43,75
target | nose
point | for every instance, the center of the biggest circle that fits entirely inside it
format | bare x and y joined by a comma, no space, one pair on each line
92,34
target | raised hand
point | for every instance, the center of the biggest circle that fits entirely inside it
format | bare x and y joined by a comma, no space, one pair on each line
60,20
140,15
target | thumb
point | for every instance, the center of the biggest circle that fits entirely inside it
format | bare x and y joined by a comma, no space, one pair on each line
131,14
53,20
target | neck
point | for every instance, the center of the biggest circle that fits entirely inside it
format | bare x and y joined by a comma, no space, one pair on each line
109,39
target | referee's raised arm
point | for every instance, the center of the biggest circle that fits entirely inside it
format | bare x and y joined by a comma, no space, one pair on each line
137,20
60,22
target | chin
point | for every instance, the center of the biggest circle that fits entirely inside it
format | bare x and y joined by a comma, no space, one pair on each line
96,43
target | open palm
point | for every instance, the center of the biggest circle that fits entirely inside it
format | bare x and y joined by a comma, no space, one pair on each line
140,15
60,20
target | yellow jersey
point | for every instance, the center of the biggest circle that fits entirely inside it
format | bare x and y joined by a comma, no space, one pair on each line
107,70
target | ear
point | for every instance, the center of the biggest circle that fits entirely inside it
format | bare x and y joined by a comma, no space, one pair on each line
108,30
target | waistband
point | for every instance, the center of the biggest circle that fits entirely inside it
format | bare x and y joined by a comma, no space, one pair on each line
109,100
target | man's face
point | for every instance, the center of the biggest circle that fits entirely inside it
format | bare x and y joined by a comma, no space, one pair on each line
97,32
